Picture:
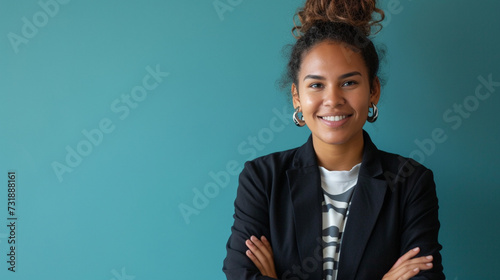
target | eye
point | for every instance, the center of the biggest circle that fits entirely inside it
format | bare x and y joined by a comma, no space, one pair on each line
316,85
349,83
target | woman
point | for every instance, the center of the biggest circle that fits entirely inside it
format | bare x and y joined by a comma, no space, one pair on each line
336,207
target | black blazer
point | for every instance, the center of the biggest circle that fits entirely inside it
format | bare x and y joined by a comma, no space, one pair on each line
394,208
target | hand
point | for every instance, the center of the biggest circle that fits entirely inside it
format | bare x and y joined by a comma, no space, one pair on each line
407,266
261,254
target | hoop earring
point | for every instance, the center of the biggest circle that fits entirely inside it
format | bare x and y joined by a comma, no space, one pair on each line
374,115
298,121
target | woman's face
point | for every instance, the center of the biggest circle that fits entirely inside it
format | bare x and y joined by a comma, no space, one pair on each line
334,93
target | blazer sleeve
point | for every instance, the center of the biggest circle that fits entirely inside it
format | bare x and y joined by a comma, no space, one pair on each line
420,224
251,217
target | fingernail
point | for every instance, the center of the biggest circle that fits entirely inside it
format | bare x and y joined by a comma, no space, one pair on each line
428,264
429,257
416,249
253,238
416,269
263,237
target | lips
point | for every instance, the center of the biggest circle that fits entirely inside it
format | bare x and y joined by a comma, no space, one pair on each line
335,121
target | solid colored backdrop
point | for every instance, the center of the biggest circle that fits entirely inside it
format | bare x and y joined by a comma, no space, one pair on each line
126,123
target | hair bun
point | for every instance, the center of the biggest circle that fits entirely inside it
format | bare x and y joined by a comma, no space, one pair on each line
358,13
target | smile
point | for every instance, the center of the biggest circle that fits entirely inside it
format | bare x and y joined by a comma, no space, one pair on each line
334,118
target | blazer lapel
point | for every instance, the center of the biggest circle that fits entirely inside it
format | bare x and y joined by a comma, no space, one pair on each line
304,182
307,196
365,207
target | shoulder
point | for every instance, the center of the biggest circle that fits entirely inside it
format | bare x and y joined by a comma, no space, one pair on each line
389,165
395,162
263,174
276,161
401,171
300,157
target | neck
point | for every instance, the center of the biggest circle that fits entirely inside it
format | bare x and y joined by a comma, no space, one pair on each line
339,156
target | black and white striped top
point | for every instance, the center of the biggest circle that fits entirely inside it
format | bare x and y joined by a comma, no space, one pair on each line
338,187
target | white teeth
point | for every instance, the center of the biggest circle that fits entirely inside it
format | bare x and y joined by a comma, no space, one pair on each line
334,118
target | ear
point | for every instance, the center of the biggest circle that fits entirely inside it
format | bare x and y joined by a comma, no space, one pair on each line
295,96
375,91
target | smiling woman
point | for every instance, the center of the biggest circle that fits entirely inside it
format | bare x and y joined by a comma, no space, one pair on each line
328,210
334,96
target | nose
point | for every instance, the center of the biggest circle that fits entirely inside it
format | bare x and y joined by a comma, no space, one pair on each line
333,97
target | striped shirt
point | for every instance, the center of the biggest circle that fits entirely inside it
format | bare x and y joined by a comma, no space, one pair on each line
338,187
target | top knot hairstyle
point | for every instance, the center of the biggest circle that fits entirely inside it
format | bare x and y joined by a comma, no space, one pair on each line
357,13
348,22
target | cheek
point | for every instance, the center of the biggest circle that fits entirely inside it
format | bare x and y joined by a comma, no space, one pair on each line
360,100
363,106
309,104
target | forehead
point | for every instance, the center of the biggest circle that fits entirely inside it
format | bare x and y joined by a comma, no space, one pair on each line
333,58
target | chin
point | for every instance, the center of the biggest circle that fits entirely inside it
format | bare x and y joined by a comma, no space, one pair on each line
339,138
334,140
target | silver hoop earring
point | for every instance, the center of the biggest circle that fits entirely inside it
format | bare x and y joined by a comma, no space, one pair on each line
374,115
298,121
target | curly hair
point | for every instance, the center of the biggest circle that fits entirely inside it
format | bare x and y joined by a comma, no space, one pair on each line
357,13
344,21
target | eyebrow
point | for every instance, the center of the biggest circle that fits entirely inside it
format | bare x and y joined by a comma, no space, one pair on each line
314,77
347,75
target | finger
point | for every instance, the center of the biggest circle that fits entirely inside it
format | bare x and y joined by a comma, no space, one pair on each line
265,250
410,254
417,261
267,244
256,256
410,268
256,261
402,266
254,249
409,274
264,254
258,253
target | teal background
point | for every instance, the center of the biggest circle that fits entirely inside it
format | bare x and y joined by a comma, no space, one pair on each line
117,216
